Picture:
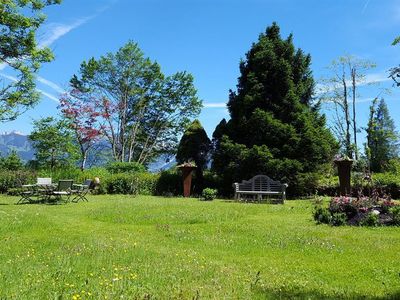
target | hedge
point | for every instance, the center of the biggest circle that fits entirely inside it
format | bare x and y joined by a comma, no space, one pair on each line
169,183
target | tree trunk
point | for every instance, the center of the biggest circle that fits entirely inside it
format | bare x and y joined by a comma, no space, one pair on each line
347,118
84,159
353,78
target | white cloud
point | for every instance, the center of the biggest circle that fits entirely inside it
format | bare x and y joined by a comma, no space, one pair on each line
365,7
376,78
48,95
214,105
54,31
12,78
51,84
372,78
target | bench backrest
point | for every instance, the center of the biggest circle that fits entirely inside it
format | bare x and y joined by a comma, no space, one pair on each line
43,181
260,183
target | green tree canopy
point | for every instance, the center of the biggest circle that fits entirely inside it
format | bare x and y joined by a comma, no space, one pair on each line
141,110
382,138
19,21
274,128
194,146
53,141
11,162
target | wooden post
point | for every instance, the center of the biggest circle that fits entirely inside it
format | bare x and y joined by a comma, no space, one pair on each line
187,171
344,172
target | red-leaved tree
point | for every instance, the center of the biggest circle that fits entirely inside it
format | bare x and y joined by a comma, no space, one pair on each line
83,118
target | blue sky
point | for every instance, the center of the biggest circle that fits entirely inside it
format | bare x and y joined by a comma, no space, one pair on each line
209,37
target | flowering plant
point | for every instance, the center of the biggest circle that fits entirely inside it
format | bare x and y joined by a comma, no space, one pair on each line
187,164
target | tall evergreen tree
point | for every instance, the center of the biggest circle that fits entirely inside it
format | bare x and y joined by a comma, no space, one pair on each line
274,128
195,146
382,138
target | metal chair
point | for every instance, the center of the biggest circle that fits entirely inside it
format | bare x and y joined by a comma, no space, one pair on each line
64,188
80,191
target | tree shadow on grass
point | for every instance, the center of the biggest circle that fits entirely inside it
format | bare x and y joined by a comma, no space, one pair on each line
315,294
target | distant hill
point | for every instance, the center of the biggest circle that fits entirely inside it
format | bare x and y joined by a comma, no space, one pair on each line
16,141
19,142
163,162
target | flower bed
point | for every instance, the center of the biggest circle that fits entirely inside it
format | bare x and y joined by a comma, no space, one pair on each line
360,211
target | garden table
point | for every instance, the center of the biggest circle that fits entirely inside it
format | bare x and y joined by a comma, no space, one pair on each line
32,193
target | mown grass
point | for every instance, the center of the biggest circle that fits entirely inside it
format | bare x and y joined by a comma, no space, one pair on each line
168,248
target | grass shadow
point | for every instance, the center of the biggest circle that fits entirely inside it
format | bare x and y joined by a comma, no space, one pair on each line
315,294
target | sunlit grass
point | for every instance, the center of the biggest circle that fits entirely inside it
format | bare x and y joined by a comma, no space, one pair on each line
149,247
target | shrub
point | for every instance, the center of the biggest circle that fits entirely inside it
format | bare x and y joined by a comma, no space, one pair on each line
121,184
371,219
169,183
305,184
208,194
322,215
386,205
125,167
14,179
14,191
344,205
147,183
338,219
395,212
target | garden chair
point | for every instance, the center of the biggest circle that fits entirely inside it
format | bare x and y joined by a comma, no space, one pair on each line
43,181
80,190
64,188
28,192
43,187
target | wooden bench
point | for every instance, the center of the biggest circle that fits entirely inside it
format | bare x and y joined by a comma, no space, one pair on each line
260,186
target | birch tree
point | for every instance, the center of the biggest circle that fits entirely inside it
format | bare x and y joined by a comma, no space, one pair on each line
342,90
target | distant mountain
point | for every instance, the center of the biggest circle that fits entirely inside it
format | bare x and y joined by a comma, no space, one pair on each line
16,141
19,142
163,162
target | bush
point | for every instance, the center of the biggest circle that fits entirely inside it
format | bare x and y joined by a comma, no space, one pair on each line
147,183
125,167
14,191
208,194
338,219
345,205
395,212
121,184
169,184
305,184
14,179
371,219
322,215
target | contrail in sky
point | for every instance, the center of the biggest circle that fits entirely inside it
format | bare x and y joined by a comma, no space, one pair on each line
365,7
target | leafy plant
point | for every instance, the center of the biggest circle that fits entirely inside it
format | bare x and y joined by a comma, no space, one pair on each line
338,219
371,219
322,215
395,212
208,194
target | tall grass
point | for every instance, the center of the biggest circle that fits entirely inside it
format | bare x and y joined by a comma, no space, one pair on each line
158,248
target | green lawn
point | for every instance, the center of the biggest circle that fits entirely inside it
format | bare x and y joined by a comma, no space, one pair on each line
157,248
